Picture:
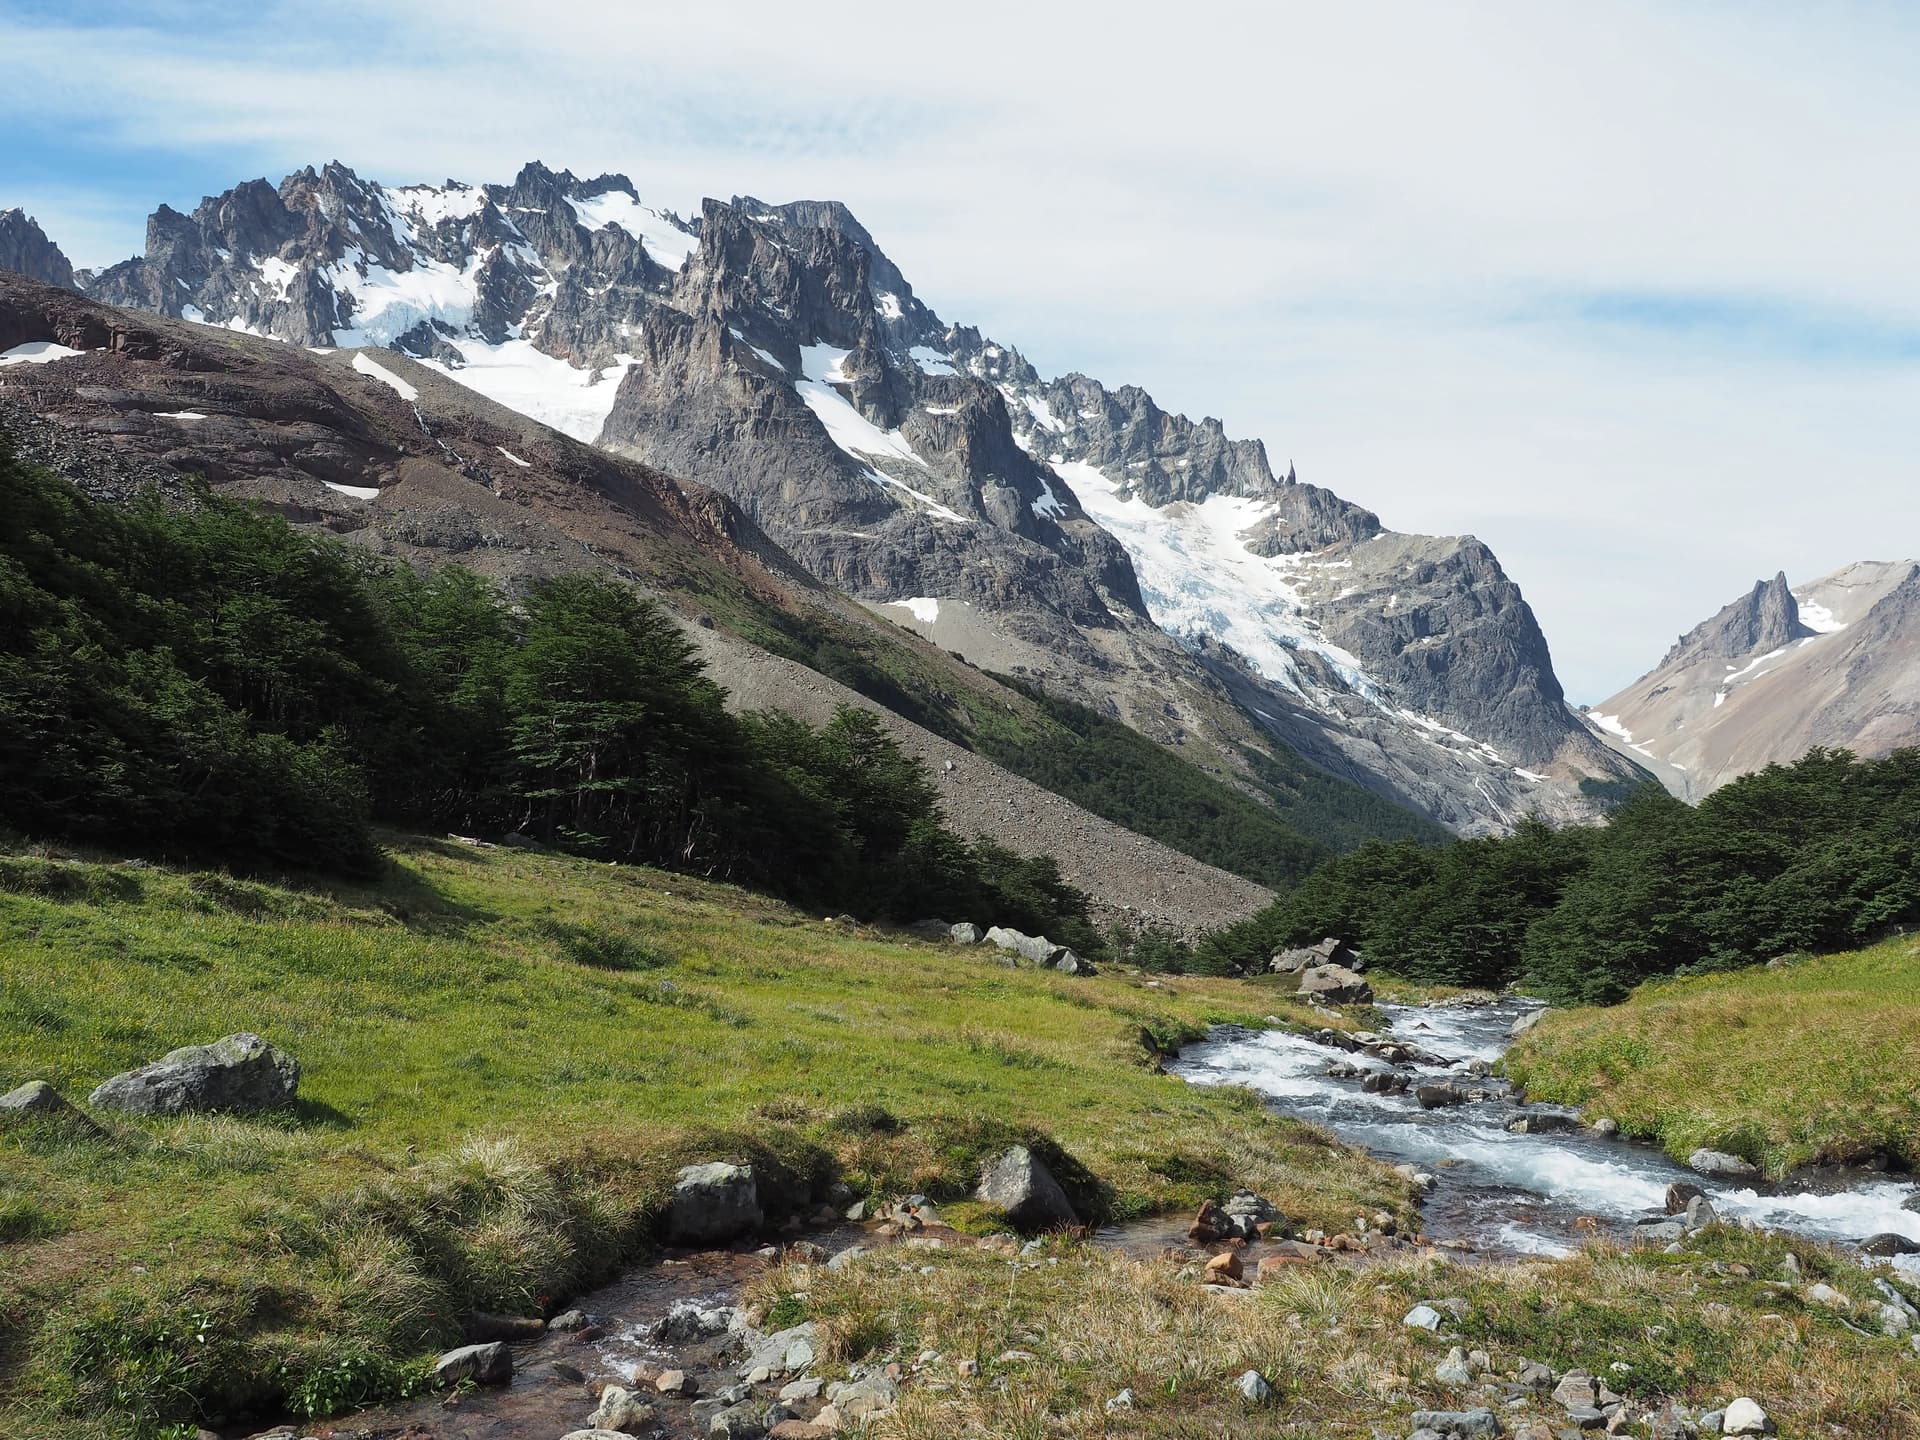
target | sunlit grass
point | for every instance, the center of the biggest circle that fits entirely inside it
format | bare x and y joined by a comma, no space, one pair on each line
1816,1060
505,1056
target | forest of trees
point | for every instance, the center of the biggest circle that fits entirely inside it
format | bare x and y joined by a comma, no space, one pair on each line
1820,855
1115,771
205,682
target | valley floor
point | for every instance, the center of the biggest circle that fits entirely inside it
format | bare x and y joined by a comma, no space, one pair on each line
507,1056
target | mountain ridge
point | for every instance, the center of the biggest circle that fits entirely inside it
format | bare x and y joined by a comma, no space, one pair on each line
1074,536
1833,663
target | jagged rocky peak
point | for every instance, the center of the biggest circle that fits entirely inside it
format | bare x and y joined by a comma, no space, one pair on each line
26,250
1765,618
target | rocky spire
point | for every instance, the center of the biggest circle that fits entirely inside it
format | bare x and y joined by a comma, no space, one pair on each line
26,250
1765,618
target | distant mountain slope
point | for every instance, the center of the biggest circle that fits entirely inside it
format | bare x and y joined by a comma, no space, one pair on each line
394,457
1131,560
1834,662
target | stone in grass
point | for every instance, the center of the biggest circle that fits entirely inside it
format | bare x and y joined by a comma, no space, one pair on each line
1744,1417
1423,1317
490,1364
38,1098
1253,1388
717,1201
1017,1183
1457,1422
241,1073
1454,1370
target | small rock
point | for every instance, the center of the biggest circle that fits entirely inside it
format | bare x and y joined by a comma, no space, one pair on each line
799,1430
795,1391
676,1382
1226,1266
1700,1214
1719,1163
36,1097
1457,1422
1606,1127
1253,1388
568,1321
1435,1097
1120,1402
489,1364
1744,1417
1423,1317
1575,1391
741,1421
717,1201
622,1411
1886,1244
965,933
1017,1183
1680,1193
1454,1370
1824,1294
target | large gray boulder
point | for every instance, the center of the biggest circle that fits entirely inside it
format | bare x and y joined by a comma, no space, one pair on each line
965,933
1067,963
1036,949
717,1201
1336,985
489,1364
241,1073
1017,1183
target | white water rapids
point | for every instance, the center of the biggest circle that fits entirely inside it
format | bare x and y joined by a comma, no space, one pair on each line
1505,1192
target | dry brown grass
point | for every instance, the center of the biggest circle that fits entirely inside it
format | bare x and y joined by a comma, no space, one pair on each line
1331,1341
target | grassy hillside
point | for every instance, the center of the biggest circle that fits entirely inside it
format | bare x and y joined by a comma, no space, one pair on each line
1816,1060
505,1057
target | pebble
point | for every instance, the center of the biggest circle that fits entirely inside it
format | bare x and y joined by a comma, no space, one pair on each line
1253,1388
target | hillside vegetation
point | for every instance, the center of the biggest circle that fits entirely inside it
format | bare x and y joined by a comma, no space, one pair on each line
1816,856
203,681
506,1056
1816,1060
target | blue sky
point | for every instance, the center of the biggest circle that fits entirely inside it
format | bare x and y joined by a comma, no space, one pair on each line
1626,290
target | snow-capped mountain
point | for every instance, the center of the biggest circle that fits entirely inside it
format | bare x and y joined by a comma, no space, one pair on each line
1056,529
1834,662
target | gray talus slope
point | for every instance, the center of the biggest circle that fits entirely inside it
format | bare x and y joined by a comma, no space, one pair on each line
1834,663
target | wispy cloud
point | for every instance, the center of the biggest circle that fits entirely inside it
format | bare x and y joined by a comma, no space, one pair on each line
1606,285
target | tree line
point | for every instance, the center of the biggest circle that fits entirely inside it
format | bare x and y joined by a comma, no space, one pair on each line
203,681
1820,855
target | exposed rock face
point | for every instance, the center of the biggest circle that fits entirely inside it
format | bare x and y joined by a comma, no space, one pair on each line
1057,528
240,1073
26,250
1834,663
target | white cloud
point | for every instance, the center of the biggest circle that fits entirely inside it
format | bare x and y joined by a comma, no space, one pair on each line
1372,234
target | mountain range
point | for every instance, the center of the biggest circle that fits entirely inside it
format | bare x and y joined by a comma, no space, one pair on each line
1070,536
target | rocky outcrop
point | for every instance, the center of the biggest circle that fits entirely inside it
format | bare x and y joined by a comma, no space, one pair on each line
241,1074
26,250
1833,663
1017,1183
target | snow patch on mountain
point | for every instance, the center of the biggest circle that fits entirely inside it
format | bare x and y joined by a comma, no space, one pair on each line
923,608
665,240
1199,578
846,426
373,370
540,386
35,352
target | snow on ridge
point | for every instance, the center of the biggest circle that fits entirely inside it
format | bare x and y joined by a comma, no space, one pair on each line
513,458
1817,617
374,370
1048,506
36,352
931,361
1611,724
358,492
923,608
542,387
664,241
846,426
